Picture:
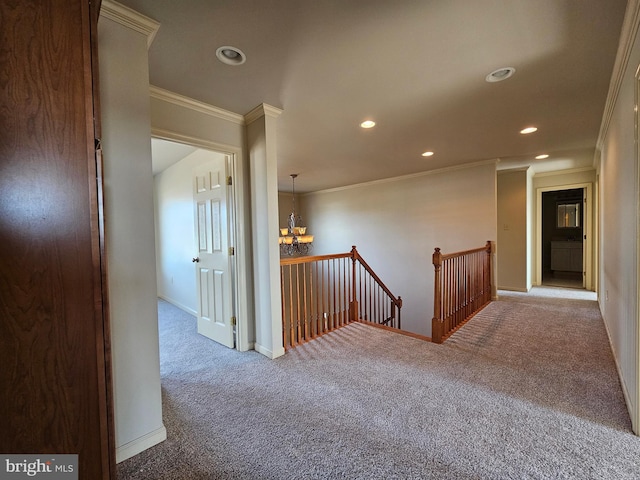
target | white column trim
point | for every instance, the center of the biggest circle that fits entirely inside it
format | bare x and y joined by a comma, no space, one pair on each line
262,110
130,18
141,444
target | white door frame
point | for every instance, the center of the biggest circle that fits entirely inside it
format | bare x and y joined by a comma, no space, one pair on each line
587,245
236,215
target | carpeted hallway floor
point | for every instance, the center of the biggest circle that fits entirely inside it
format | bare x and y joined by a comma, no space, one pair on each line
526,390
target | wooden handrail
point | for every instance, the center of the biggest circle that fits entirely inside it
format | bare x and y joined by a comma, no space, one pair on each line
447,256
314,258
356,256
462,287
321,293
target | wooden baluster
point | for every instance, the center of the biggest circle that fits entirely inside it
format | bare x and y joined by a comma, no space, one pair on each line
370,312
333,295
453,292
450,292
487,275
339,298
315,295
307,317
363,294
282,308
299,312
345,291
353,303
466,280
325,296
456,298
292,338
312,299
473,282
340,289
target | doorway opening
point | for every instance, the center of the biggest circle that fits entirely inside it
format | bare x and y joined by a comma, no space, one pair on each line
563,219
563,238
194,235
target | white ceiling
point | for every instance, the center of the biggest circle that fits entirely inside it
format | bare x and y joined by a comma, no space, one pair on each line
416,67
165,154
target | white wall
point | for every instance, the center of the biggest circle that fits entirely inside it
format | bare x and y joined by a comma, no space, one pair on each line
130,233
175,231
618,256
397,223
513,245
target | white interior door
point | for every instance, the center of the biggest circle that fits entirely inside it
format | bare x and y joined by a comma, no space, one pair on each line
213,270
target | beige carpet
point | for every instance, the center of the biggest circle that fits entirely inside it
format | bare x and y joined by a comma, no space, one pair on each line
526,390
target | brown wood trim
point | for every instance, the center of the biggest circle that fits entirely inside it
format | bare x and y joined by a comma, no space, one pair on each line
447,256
395,330
313,258
95,169
375,277
315,337
463,322
53,350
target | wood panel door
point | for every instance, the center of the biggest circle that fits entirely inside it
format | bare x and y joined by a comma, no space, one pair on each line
213,272
54,381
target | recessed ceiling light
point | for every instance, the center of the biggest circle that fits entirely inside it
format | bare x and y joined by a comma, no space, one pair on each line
231,55
542,157
500,74
368,124
427,154
527,130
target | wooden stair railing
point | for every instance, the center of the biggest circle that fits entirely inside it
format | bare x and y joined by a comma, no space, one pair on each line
324,292
462,288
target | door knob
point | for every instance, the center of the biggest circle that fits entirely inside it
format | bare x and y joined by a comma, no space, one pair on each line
196,259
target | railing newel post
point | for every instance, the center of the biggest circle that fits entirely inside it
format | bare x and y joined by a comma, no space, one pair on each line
353,304
437,324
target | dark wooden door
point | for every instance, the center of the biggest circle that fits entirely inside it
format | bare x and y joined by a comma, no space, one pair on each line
54,388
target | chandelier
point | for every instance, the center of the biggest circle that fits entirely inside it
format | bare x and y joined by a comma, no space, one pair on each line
293,239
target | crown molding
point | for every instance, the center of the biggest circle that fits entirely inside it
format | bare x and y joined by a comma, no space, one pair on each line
194,141
568,171
628,34
512,170
464,166
130,18
195,105
262,110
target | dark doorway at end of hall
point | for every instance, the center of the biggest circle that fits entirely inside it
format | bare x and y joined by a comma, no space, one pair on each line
562,238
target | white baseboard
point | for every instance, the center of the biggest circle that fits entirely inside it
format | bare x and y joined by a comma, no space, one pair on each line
268,353
628,399
190,311
247,347
139,445
514,289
